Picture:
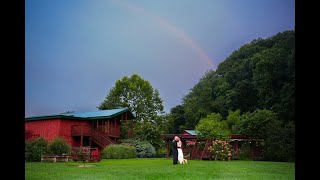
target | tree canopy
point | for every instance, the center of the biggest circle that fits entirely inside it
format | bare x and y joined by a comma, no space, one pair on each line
145,103
213,126
137,94
258,75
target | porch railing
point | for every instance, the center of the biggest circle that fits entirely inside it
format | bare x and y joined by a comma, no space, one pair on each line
101,138
112,131
76,130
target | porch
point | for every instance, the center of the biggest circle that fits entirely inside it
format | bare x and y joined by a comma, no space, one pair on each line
84,130
88,135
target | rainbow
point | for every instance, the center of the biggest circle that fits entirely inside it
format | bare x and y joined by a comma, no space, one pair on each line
173,29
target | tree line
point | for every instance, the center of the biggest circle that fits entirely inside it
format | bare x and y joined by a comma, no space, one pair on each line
251,92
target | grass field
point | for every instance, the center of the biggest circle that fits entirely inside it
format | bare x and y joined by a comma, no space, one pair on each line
160,169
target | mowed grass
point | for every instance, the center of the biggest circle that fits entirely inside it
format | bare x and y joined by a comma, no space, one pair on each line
128,169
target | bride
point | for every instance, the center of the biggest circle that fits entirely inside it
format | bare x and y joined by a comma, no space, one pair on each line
180,153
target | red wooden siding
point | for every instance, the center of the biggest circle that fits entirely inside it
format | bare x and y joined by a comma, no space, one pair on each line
49,129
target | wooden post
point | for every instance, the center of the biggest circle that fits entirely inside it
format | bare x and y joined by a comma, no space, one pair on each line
168,148
205,148
108,127
236,145
97,124
115,127
81,136
193,153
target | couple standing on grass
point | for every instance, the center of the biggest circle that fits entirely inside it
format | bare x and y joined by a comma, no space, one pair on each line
177,151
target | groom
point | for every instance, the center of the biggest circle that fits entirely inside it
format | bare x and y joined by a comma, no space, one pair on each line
175,150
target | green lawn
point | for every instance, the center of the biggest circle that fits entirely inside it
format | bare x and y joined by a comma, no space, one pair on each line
160,169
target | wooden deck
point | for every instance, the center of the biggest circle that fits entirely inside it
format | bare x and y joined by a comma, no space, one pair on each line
77,130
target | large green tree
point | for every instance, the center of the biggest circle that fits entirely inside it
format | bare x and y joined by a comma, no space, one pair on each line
213,126
259,124
138,95
176,120
143,100
279,140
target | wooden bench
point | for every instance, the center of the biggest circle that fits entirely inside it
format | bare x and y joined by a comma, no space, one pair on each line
54,158
48,158
62,158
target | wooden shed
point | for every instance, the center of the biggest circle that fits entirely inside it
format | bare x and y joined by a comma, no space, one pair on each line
197,148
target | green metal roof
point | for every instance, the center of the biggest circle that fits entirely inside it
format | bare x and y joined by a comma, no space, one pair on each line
192,132
99,114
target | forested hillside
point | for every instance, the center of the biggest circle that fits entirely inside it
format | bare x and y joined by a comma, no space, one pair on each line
257,81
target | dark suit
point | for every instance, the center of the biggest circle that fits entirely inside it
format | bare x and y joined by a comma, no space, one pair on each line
175,152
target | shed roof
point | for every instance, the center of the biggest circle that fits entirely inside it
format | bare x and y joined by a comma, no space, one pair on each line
192,132
99,114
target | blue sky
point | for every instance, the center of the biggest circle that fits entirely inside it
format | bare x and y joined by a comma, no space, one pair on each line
75,50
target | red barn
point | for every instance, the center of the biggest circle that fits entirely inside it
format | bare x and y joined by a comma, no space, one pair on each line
94,129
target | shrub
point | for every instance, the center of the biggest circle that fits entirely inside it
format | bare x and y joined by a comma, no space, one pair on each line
221,150
118,151
143,148
278,135
160,152
280,146
59,146
35,148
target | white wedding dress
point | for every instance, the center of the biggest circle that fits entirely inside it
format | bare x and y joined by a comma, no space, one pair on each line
180,155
